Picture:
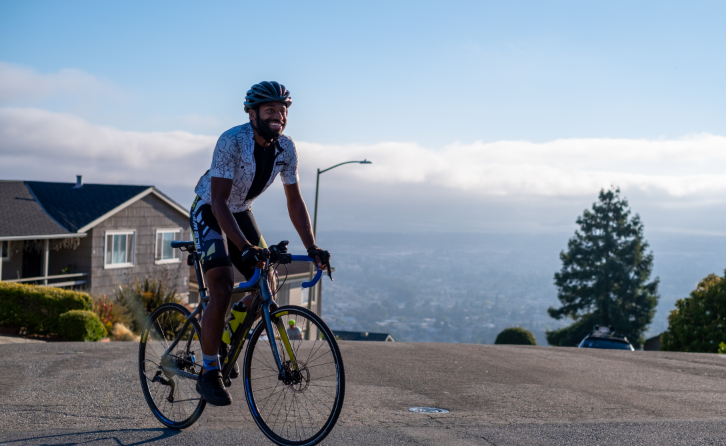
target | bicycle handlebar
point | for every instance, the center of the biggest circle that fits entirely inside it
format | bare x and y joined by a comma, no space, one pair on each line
252,281
318,275
256,275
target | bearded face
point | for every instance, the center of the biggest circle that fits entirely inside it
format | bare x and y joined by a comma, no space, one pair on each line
270,120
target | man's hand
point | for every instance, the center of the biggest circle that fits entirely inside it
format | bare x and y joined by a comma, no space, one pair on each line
321,257
253,257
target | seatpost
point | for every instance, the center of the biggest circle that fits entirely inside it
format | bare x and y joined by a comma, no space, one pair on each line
200,277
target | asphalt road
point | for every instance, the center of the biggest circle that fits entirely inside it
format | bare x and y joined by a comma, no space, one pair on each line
76,393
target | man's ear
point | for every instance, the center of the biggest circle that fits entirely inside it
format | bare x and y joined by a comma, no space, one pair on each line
253,114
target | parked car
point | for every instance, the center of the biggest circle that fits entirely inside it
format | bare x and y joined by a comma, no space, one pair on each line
602,337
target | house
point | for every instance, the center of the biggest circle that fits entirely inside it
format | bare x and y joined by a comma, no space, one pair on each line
90,236
363,336
652,344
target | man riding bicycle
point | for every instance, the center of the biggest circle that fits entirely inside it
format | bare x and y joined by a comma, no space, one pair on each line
246,160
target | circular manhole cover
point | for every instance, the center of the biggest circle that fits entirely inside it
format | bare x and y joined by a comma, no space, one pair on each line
427,410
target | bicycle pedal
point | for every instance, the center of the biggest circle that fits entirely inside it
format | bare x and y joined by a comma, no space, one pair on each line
227,382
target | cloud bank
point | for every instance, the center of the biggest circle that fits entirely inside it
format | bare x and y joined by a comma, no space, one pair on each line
570,167
38,144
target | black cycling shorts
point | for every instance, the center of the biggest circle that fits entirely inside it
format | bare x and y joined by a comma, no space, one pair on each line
212,249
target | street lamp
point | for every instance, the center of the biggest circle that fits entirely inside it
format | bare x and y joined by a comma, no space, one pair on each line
313,291
317,188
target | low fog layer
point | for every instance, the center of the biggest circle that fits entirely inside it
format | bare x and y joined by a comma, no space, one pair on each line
676,185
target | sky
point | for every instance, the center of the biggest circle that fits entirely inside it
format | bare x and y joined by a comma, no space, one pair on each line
478,116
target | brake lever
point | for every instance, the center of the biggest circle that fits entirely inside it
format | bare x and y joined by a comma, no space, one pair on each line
330,272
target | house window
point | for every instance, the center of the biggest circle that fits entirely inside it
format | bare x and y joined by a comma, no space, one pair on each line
5,250
164,252
119,249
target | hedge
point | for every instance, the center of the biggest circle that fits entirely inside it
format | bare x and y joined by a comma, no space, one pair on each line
516,336
38,308
81,326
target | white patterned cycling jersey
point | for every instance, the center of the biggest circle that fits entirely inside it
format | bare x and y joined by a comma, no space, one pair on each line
234,159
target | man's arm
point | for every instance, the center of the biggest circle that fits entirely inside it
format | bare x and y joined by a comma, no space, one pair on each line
221,188
299,214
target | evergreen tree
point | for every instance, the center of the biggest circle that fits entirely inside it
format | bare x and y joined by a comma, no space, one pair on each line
604,276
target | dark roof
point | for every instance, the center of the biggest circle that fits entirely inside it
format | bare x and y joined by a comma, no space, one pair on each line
75,208
360,336
22,215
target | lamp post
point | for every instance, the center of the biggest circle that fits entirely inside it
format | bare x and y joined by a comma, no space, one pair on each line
313,290
317,188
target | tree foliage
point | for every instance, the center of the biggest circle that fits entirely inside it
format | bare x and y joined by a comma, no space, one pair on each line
604,275
698,324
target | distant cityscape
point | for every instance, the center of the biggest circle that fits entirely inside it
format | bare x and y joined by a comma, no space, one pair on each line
469,287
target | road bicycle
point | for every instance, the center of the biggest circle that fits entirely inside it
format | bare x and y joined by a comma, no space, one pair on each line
294,385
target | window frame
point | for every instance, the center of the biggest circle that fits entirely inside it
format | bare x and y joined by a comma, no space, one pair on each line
6,255
156,245
131,232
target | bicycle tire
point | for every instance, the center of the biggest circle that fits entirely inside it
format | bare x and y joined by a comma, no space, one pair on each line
162,327
258,362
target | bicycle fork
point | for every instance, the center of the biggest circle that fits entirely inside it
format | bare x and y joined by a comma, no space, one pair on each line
266,303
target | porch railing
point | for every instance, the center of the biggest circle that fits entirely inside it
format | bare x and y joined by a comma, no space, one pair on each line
45,280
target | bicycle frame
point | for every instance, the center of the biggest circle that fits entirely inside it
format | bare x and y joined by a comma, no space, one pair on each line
262,302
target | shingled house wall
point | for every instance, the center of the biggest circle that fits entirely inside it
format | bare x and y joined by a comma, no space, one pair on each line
144,217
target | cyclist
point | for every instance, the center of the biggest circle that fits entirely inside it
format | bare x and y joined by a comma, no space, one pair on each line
293,333
246,160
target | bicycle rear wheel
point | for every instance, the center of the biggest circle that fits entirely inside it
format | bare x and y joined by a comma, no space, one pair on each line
304,410
172,398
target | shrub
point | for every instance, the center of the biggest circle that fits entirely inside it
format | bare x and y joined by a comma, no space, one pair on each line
37,308
516,336
103,308
142,298
698,322
121,333
81,325
111,313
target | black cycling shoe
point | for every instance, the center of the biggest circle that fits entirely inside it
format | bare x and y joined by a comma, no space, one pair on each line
210,387
234,373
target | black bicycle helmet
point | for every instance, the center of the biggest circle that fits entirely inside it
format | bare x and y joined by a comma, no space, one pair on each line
266,92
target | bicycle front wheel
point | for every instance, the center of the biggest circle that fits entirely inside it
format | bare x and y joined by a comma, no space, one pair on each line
303,409
171,395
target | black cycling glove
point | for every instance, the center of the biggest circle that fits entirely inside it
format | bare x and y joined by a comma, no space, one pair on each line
315,251
251,255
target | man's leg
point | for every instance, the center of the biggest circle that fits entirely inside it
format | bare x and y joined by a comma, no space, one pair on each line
248,225
218,276
220,281
210,385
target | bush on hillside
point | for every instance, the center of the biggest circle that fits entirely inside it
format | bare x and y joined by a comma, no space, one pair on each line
516,336
37,308
81,326
698,323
